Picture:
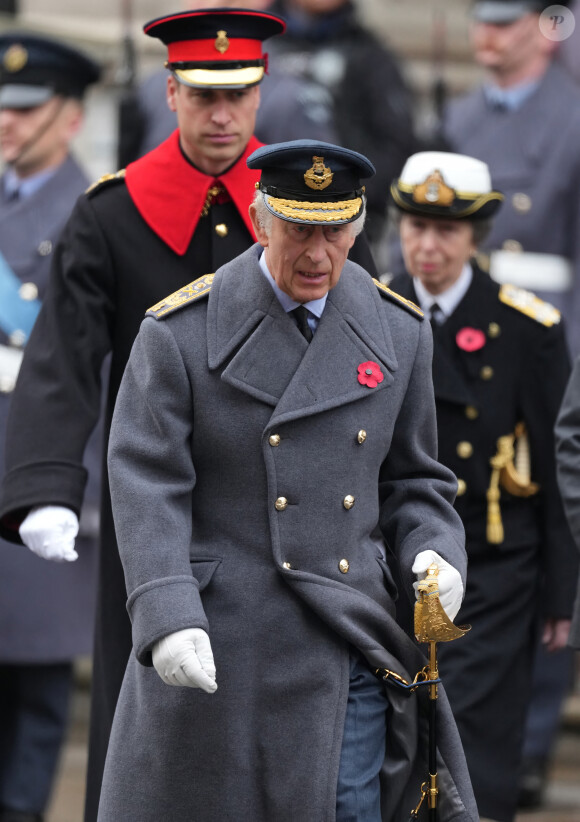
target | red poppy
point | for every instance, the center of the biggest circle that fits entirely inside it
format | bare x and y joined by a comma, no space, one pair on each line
370,374
470,339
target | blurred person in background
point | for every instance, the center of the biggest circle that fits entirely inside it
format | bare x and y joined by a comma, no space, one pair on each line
46,610
500,367
524,122
178,213
351,72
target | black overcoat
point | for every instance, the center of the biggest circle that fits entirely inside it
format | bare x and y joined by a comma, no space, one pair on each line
518,374
109,267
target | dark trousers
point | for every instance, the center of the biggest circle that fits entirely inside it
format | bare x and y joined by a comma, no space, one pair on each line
34,701
358,796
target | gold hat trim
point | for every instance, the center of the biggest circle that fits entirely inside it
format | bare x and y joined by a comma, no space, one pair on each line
434,190
222,43
477,203
315,212
15,58
318,176
220,77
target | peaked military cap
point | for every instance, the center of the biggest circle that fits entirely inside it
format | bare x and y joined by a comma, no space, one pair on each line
219,48
33,69
503,12
308,181
442,184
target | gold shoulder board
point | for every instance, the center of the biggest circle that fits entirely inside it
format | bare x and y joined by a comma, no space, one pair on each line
411,307
198,288
529,304
105,180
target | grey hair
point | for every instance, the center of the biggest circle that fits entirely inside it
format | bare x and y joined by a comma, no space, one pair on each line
264,216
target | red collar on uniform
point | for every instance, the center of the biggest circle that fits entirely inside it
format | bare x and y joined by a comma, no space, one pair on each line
169,192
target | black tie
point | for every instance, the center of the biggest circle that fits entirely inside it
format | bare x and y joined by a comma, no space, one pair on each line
300,314
436,315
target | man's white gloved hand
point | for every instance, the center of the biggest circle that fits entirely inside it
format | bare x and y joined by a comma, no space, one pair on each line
185,658
50,531
450,584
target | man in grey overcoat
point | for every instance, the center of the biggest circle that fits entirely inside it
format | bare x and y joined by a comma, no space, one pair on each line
46,609
271,416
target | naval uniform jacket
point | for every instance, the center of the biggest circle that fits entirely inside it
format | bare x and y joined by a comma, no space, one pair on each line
518,374
234,448
533,160
130,241
60,625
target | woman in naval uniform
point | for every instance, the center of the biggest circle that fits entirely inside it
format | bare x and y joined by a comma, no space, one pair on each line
500,367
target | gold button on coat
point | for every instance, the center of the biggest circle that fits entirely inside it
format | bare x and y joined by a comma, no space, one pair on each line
486,372
348,502
464,449
221,230
471,412
461,487
281,504
343,566
493,330
361,436
274,439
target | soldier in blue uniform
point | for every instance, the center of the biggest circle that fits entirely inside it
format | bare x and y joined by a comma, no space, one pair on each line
500,367
46,611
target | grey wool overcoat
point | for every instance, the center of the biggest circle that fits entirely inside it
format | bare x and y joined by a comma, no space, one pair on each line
233,447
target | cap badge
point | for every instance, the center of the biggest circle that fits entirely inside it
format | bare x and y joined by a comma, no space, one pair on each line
434,191
222,43
15,58
318,176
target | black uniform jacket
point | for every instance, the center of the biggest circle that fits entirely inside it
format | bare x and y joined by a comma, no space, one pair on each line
518,375
130,241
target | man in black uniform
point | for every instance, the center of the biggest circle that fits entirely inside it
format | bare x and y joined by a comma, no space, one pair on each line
500,367
178,213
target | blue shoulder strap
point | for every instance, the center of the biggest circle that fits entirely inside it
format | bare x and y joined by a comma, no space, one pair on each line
16,313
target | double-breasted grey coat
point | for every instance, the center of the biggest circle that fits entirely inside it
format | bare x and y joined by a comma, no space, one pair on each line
533,160
46,608
233,447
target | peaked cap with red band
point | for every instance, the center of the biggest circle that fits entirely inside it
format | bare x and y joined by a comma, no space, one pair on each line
218,48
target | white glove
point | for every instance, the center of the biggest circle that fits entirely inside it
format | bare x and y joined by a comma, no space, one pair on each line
49,531
185,658
449,578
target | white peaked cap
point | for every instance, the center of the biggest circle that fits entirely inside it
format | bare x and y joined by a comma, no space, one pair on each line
458,171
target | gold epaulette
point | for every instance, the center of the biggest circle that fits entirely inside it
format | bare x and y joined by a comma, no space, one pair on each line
529,304
105,180
198,288
411,307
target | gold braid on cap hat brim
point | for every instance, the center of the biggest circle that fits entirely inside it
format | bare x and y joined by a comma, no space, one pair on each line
477,200
316,212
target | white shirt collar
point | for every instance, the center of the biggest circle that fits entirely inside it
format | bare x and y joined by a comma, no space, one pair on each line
316,307
447,300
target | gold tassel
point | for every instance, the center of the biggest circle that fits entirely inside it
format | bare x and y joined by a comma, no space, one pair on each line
505,454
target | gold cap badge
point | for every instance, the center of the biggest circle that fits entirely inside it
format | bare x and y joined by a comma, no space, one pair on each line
15,58
222,43
318,176
434,191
